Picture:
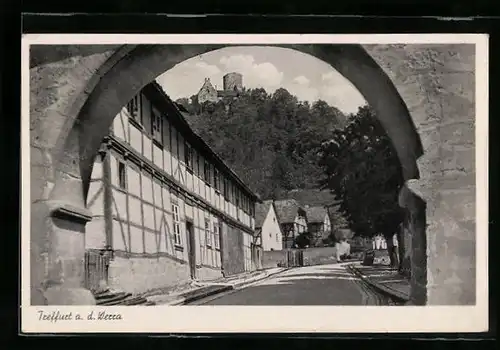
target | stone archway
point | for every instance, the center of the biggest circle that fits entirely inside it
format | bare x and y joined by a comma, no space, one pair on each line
87,89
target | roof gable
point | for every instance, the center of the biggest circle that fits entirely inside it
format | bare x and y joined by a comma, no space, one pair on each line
316,214
287,210
261,211
207,86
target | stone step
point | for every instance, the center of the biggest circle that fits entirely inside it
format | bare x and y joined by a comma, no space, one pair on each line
115,300
111,296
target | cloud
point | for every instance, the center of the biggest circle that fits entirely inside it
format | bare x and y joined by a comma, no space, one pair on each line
263,74
304,92
301,80
339,92
191,74
207,70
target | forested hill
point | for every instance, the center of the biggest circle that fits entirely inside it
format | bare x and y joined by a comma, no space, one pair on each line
269,140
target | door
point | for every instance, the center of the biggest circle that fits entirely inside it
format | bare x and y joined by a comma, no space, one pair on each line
191,248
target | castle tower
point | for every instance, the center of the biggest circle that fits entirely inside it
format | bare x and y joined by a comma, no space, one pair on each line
232,81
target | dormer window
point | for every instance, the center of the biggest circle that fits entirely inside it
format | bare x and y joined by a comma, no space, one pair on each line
133,108
207,172
189,156
157,127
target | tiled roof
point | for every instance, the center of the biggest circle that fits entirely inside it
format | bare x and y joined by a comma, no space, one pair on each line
316,214
156,89
286,210
261,210
311,197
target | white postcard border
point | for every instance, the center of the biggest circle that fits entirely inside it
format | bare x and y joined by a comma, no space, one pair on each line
296,319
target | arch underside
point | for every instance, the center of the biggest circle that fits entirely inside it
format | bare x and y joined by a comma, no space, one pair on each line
141,64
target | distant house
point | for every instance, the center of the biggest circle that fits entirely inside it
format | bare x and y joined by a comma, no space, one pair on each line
267,227
379,242
318,223
293,220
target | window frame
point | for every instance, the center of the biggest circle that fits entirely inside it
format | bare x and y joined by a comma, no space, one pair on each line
122,170
156,132
216,179
176,219
188,156
207,172
134,109
216,242
208,234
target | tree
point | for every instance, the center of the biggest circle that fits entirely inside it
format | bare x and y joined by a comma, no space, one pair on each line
272,141
362,169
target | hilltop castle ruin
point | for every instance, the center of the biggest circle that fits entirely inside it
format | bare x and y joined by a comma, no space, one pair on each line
232,86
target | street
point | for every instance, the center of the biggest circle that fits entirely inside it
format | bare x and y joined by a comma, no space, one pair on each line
311,285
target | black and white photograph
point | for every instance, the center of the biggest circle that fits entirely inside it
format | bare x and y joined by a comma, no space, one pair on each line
340,174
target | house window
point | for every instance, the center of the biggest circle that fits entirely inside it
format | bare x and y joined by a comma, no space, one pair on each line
189,156
177,224
277,239
216,235
198,164
208,234
225,189
207,172
122,175
133,108
216,179
157,127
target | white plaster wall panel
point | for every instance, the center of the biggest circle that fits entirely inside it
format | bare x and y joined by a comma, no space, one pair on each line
134,181
136,241
158,156
95,234
95,201
157,193
150,242
167,162
158,218
189,211
147,188
135,138
149,219
167,206
189,181
120,127
135,210
119,204
97,168
120,235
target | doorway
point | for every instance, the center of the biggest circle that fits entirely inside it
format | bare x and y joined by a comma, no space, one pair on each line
191,248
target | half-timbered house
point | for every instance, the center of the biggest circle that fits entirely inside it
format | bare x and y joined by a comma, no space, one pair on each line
166,209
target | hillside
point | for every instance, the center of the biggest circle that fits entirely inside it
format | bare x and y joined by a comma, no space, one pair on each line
269,140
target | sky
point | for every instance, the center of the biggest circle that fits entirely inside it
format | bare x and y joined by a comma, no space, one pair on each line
271,68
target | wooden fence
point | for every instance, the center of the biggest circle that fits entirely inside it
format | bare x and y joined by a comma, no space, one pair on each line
96,270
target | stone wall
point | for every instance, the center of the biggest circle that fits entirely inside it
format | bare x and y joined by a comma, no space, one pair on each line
312,256
437,83
206,273
320,255
138,275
